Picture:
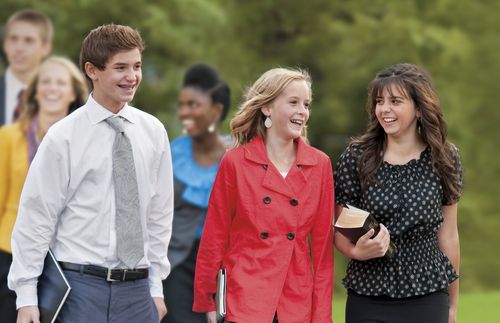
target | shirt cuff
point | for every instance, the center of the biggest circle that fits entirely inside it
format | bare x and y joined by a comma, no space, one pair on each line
26,296
155,287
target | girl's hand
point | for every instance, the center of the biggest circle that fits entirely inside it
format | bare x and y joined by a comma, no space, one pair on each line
367,248
211,317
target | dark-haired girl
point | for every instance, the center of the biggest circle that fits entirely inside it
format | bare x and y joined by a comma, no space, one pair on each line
404,172
203,104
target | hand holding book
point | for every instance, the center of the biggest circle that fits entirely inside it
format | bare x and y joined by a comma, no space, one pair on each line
354,223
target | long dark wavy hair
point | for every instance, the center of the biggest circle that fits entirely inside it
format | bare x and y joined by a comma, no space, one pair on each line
416,84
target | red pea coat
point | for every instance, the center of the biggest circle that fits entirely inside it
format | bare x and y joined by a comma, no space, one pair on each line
272,234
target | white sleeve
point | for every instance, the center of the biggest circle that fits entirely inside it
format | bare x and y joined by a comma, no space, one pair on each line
42,199
159,219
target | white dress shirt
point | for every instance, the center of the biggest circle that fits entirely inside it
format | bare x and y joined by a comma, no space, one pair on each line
68,200
12,88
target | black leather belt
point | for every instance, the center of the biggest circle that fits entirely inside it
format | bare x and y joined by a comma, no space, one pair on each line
110,274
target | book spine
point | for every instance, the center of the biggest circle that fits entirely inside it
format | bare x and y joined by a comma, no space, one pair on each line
371,223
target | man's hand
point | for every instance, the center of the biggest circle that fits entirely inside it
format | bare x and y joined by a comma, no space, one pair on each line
28,314
160,306
211,317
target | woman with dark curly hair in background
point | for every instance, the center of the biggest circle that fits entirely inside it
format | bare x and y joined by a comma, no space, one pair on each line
204,102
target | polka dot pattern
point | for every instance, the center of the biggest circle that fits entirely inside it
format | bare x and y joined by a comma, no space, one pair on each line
408,200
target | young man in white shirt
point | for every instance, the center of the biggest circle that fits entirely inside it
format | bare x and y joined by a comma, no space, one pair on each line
27,41
71,201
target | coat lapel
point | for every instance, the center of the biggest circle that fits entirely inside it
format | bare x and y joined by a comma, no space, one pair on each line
295,181
297,178
2,100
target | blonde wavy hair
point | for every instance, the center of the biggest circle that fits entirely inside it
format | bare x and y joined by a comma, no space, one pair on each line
30,104
249,120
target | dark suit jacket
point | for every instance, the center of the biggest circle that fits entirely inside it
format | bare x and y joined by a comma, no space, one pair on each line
187,219
2,100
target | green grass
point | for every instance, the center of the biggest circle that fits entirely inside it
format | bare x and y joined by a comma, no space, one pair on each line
473,308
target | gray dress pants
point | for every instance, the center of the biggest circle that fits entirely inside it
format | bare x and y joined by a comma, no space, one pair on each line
93,299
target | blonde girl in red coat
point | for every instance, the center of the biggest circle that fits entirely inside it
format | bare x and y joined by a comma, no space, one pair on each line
270,212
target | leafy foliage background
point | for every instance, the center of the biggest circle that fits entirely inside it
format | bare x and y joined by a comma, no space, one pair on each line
342,44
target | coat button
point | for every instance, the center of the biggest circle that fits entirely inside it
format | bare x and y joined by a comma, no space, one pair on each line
264,235
294,202
267,200
290,235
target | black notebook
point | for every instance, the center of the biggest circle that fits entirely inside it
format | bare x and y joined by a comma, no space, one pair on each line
53,289
353,223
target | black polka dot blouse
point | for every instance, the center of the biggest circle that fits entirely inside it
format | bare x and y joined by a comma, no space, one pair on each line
408,201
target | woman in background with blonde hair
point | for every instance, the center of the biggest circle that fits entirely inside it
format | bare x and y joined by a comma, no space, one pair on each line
57,89
270,212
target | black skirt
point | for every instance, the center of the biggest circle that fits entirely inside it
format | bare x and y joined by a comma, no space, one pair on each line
178,292
432,308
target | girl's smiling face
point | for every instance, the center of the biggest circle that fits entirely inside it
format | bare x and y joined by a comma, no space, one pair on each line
396,112
289,112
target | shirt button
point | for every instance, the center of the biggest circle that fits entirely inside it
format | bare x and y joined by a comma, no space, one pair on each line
264,235
290,235
267,200
294,202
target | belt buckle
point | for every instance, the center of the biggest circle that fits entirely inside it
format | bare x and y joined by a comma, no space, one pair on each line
108,276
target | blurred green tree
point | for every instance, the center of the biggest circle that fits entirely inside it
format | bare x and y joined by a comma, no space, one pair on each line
342,44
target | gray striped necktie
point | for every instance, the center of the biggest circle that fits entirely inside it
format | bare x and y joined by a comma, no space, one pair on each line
129,241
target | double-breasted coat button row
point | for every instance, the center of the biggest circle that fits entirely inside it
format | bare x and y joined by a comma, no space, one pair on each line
267,200
289,235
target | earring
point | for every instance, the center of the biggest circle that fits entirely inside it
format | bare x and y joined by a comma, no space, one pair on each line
211,128
268,122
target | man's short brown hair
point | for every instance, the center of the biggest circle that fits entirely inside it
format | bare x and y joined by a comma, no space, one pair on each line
105,41
36,18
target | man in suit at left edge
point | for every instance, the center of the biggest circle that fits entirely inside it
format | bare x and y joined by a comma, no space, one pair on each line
27,41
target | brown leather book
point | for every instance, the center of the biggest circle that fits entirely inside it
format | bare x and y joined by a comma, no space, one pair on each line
354,223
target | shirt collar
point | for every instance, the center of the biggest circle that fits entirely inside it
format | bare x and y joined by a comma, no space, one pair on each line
13,81
255,150
97,113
